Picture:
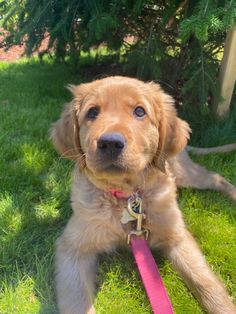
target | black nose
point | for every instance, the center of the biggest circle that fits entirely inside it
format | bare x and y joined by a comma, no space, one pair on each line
111,144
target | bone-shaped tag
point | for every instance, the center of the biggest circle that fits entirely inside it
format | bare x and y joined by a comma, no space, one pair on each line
126,217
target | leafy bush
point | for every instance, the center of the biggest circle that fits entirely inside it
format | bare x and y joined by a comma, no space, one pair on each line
178,43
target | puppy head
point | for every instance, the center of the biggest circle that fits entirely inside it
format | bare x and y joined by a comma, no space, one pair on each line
119,126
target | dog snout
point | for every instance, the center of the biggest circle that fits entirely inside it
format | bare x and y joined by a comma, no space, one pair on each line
111,145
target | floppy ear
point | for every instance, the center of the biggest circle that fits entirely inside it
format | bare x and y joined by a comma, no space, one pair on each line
65,132
173,131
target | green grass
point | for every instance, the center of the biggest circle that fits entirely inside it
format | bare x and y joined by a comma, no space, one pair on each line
34,204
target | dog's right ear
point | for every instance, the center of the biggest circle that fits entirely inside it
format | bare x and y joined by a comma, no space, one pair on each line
65,132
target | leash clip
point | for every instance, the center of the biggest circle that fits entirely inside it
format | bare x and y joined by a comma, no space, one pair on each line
135,210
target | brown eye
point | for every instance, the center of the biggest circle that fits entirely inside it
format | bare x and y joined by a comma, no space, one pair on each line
92,113
139,112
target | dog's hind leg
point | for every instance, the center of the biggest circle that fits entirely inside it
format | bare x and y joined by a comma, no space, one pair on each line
190,174
209,150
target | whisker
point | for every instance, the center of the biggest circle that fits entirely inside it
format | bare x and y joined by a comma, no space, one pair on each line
80,160
64,155
162,156
67,156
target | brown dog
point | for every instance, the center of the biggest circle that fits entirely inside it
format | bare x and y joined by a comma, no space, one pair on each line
124,134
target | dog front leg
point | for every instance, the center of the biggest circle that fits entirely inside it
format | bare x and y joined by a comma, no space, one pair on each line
75,279
190,263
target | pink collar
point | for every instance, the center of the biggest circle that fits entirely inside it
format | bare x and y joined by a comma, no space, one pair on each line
122,195
117,193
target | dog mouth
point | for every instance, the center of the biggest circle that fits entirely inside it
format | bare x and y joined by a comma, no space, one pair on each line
110,167
121,165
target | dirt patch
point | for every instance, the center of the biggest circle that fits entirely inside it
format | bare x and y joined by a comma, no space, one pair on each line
17,51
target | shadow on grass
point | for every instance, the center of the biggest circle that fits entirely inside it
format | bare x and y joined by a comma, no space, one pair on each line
34,182
28,246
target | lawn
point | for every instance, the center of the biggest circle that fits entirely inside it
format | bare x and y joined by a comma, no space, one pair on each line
34,203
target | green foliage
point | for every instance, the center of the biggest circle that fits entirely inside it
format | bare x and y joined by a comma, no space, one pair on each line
176,42
208,18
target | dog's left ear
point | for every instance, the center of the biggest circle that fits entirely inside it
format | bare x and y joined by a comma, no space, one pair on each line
173,131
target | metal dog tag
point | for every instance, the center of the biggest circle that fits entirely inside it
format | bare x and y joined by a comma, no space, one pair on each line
126,217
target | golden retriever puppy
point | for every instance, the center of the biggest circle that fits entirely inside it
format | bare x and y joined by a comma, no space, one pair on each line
121,133
190,174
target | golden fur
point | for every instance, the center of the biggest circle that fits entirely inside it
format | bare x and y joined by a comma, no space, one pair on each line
152,146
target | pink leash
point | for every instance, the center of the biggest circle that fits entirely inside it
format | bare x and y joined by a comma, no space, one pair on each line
151,277
147,266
